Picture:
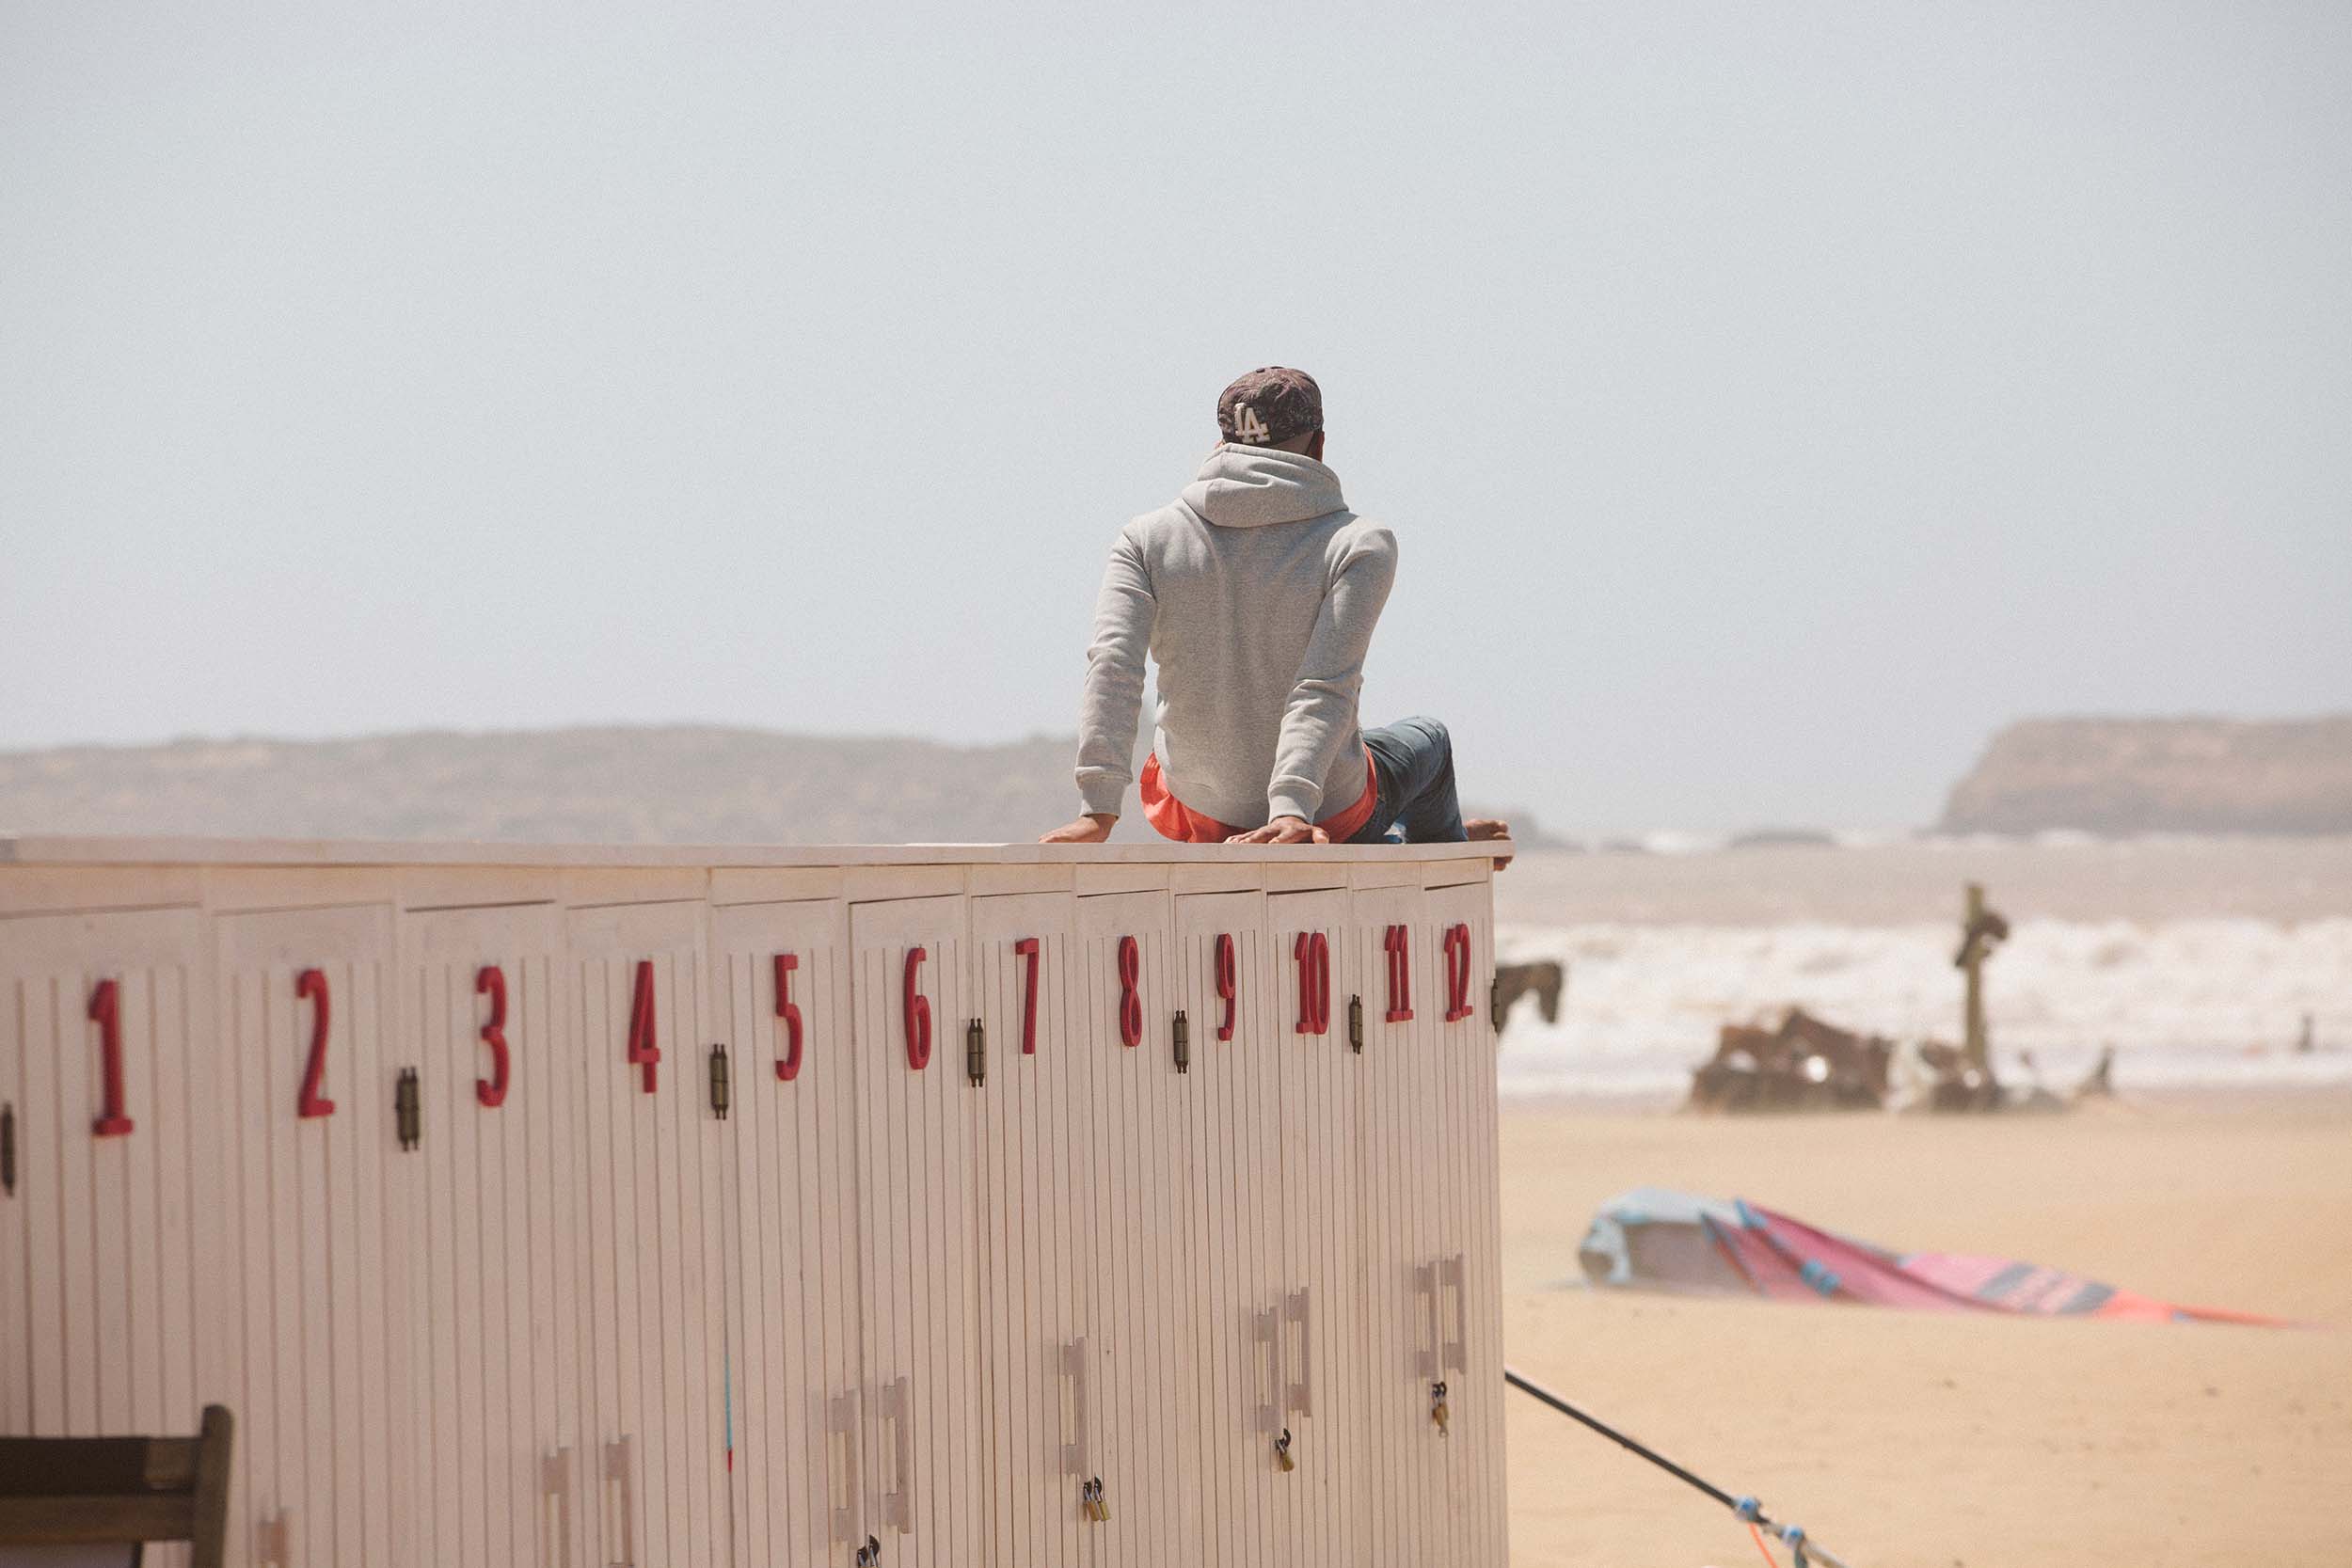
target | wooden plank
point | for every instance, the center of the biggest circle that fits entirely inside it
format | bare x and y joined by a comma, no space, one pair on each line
16,1208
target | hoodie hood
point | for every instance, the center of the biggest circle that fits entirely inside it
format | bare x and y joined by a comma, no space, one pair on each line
1240,486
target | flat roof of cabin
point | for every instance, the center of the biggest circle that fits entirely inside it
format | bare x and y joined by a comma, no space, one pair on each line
42,849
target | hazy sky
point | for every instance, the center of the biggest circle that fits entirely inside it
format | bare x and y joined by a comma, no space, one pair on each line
1769,400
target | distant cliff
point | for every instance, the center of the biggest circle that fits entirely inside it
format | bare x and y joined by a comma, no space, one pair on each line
674,783
2160,775
650,785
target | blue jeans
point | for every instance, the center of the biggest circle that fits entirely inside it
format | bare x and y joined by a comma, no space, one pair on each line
1412,765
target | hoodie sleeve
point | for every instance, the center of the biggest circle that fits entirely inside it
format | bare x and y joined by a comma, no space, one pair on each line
1320,716
1123,613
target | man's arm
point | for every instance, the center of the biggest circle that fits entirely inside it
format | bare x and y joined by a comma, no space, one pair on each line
1113,698
1320,713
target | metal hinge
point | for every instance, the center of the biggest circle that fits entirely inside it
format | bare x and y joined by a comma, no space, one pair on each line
975,1052
1356,1025
7,1150
407,1114
1494,1003
1183,1042
721,1088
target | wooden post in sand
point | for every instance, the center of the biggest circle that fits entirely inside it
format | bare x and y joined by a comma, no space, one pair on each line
1981,929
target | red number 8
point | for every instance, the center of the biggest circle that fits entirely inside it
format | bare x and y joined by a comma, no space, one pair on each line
1130,1004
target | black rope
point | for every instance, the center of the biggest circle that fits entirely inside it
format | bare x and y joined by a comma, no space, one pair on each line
1547,1397
1745,1508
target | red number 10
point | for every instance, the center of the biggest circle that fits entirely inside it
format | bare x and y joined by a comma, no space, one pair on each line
1313,951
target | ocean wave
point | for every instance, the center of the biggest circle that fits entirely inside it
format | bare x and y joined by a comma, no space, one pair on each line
2186,1002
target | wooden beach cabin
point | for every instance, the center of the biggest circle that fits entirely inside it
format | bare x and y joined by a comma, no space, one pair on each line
1028,1207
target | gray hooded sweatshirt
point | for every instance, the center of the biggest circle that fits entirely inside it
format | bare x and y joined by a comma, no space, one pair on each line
1255,592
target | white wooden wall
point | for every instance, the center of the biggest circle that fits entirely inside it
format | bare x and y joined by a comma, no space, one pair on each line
876,1307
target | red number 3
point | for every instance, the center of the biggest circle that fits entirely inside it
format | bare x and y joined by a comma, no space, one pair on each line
491,982
310,986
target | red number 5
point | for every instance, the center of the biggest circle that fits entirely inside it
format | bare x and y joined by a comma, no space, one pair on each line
788,1065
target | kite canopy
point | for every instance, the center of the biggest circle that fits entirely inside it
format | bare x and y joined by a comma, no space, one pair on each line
1656,1239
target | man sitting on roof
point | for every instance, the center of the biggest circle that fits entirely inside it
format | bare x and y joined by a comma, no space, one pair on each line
1256,592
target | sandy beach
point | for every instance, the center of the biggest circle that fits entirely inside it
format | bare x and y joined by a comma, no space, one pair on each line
1947,1441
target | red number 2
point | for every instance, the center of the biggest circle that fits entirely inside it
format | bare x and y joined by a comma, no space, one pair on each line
492,981
1400,973
645,1044
1228,983
310,986
918,1012
788,1065
1027,948
105,1010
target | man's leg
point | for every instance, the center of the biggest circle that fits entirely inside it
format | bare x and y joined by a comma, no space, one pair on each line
1412,763
1414,759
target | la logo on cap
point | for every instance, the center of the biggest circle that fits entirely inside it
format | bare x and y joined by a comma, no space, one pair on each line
1247,426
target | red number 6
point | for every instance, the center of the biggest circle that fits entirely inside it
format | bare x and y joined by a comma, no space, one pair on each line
918,1013
491,982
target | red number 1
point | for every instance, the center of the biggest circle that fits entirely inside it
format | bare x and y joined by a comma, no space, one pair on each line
105,1010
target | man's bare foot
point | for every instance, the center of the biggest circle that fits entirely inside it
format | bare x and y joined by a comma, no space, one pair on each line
1481,829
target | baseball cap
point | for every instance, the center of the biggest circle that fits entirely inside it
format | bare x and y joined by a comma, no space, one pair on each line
1271,404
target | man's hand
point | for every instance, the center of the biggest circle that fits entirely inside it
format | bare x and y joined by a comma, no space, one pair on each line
1283,830
1091,829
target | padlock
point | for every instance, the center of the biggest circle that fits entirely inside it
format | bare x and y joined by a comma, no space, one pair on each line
1437,1409
1283,1452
